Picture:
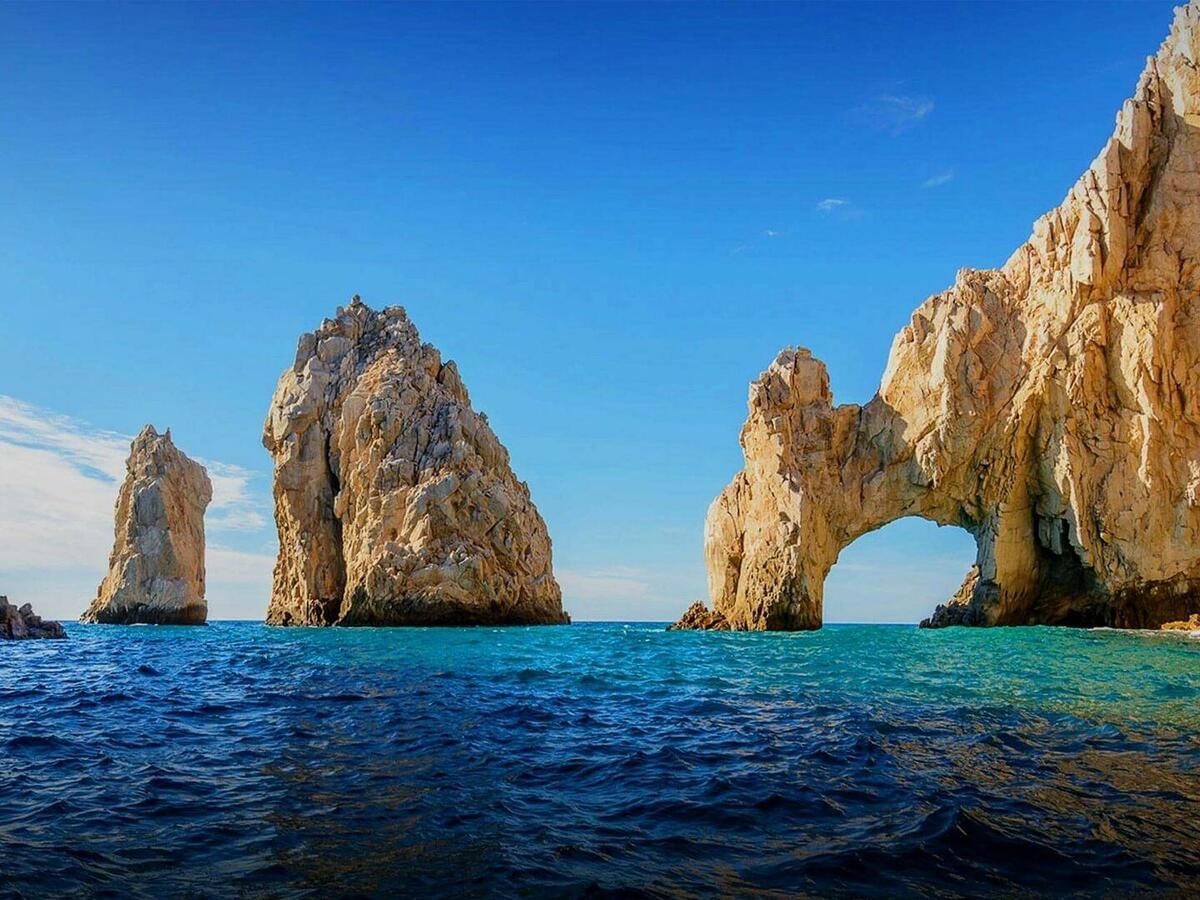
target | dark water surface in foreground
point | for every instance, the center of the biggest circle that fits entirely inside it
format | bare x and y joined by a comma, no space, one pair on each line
242,760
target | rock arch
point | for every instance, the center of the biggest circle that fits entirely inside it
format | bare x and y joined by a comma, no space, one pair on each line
1050,407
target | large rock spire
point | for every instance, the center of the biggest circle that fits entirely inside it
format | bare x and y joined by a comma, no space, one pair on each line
394,500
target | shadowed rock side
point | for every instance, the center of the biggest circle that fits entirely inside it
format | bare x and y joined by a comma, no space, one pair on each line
156,571
23,624
1049,407
394,500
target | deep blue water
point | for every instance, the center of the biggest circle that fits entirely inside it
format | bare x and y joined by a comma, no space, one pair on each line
239,760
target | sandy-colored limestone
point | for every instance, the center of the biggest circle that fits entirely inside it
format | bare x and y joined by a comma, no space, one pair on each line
1192,623
699,617
1051,408
156,571
394,500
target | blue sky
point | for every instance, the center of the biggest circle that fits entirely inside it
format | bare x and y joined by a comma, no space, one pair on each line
611,217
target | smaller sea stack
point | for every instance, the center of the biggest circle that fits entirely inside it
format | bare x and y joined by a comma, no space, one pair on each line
156,571
23,624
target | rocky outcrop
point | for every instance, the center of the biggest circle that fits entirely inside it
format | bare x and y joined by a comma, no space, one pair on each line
1192,623
1051,408
156,571
22,624
699,617
394,500
958,610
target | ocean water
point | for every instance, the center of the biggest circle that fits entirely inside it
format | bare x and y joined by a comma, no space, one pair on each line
598,759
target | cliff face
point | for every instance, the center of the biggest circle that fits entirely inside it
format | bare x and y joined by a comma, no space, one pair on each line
1051,408
156,571
394,500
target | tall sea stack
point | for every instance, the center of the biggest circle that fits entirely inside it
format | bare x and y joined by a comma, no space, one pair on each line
1051,408
394,500
156,571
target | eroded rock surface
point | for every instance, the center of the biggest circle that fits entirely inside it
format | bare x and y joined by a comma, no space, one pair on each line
156,571
1051,408
18,624
394,500
699,617
1192,623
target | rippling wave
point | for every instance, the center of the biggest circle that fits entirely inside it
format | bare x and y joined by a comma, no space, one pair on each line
238,760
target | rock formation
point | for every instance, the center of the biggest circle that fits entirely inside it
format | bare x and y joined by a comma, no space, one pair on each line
1050,407
394,500
156,571
22,624
1191,624
699,617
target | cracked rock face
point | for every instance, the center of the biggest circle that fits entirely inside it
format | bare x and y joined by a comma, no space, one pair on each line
394,500
156,571
1050,407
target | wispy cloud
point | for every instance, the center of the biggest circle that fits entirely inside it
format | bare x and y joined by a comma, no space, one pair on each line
839,208
235,505
59,479
622,582
624,593
939,179
892,112
755,241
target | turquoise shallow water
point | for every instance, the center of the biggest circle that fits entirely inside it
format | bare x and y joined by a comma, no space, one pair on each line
595,759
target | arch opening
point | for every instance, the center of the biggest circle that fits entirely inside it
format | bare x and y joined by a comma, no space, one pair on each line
897,574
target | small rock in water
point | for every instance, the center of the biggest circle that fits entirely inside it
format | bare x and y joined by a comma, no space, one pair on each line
699,617
23,624
1191,623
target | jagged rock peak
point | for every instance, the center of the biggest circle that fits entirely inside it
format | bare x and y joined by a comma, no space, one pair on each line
394,500
1051,408
156,570
23,624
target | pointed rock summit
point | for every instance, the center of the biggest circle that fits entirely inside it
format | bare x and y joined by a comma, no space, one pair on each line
1051,408
394,500
156,571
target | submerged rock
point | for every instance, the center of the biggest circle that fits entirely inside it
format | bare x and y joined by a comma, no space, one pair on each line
156,571
22,624
394,500
1051,408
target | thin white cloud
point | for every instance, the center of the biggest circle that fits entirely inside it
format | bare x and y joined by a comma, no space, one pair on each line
591,586
769,233
832,204
101,451
939,179
629,593
235,506
894,113
59,480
